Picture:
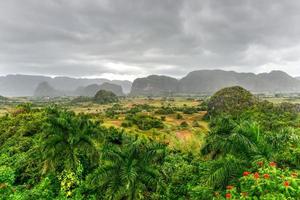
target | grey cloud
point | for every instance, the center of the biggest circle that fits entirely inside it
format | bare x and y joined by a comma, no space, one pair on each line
95,37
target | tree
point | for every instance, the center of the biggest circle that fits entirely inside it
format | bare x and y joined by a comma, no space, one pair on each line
128,171
67,140
232,146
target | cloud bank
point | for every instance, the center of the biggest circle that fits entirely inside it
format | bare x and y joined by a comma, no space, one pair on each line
128,39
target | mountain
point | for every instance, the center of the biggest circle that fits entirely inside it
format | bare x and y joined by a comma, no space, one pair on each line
91,90
210,81
20,85
277,81
126,85
87,91
298,77
202,81
3,99
116,89
45,90
206,81
154,85
25,85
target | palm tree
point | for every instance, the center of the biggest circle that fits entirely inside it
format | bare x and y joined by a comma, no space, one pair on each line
67,138
222,170
241,139
233,146
128,171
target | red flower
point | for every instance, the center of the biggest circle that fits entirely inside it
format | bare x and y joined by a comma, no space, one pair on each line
260,163
229,187
273,164
286,184
266,176
256,175
246,173
228,195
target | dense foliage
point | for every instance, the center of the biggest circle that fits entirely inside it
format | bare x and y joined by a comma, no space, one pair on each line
143,121
105,97
232,100
249,153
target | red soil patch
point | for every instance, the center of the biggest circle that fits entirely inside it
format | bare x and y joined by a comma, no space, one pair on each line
116,123
184,135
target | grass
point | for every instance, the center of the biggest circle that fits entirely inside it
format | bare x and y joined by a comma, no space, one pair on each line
278,100
186,139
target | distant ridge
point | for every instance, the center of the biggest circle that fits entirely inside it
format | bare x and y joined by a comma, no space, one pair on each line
154,85
196,82
91,90
210,81
45,90
25,85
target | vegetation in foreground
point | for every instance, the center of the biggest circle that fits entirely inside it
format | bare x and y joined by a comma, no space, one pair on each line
251,151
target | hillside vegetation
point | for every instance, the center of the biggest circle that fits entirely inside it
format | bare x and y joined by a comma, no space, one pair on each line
152,149
231,100
105,97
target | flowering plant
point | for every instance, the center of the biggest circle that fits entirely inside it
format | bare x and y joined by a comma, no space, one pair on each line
267,182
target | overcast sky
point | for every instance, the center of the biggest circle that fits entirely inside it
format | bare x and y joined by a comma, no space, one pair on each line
125,39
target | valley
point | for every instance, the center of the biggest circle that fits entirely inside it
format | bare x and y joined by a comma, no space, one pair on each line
207,147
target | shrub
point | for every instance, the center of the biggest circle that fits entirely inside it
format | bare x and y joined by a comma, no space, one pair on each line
179,116
139,108
114,111
266,182
189,110
163,118
145,122
165,111
126,124
195,123
184,124
7,175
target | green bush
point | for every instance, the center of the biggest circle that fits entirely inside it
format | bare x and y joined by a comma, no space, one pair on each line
179,116
7,175
140,108
126,124
189,110
165,111
144,122
195,123
184,124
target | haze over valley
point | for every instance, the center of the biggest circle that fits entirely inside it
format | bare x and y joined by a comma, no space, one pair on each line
196,82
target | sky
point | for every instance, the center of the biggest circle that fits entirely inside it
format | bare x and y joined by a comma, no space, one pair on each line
126,39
